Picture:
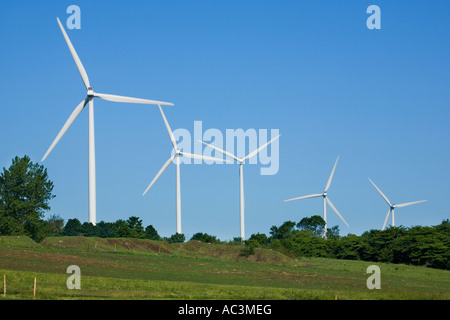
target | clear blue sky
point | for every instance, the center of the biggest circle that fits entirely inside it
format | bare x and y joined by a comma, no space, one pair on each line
312,69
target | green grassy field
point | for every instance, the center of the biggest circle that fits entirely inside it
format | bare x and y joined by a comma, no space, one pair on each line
144,269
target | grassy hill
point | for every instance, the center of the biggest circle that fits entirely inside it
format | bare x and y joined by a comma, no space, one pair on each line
144,269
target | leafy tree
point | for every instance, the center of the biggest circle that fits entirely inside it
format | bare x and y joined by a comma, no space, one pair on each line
260,238
333,232
305,243
25,193
55,225
315,224
286,230
105,229
136,230
249,249
350,247
151,233
204,237
72,228
10,226
89,230
176,238
121,229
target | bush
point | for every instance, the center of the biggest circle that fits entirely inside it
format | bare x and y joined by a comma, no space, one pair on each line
204,237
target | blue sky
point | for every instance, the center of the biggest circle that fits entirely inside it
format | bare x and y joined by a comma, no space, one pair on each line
312,69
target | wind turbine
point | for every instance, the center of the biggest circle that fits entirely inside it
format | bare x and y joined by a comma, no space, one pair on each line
176,155
392,206
325,200
90,99
241,176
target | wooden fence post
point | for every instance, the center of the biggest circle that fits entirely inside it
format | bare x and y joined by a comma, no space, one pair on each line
34,289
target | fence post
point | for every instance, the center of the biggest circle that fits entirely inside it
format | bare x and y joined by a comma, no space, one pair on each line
34,289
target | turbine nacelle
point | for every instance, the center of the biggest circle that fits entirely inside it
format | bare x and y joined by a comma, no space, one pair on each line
90,92
326,200
392,206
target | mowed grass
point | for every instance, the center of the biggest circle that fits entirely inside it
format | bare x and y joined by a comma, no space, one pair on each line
143,269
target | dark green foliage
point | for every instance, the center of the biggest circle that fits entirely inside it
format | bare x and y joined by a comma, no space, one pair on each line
204,237
417,245
285,231
72,228
55,225
136,228
250,246
315,224
151,233
25,192
177,238
260,238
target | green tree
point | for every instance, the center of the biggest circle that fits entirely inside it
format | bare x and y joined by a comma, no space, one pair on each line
151,233
177,238
286,230
105,229
315,223
204,237
121,229
72,227
136,230
25,193
260,238
88,229
55,225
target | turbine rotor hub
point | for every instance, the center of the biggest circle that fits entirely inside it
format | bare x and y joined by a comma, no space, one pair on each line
90,92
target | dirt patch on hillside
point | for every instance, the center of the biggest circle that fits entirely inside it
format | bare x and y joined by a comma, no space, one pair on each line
137,244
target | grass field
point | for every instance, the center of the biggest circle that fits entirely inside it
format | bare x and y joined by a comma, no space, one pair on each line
144,269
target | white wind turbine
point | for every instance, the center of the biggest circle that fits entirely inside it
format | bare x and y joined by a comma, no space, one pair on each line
325,200
90,99
176,155
392,206
241,176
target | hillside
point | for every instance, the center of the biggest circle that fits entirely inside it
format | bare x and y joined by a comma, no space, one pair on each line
144,269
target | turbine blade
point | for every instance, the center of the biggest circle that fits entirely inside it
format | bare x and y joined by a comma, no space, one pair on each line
221,151
66,126
335,210
304,197
116,98
260,148
80,67
172,137
164,167
387,217
408,204
196,156
331,175
382,194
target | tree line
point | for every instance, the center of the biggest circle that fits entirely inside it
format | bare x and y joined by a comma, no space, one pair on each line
26,190
417,245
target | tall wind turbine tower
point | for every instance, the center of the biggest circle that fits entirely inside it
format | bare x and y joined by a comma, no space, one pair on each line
90,100
326,200
176,156
241,162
